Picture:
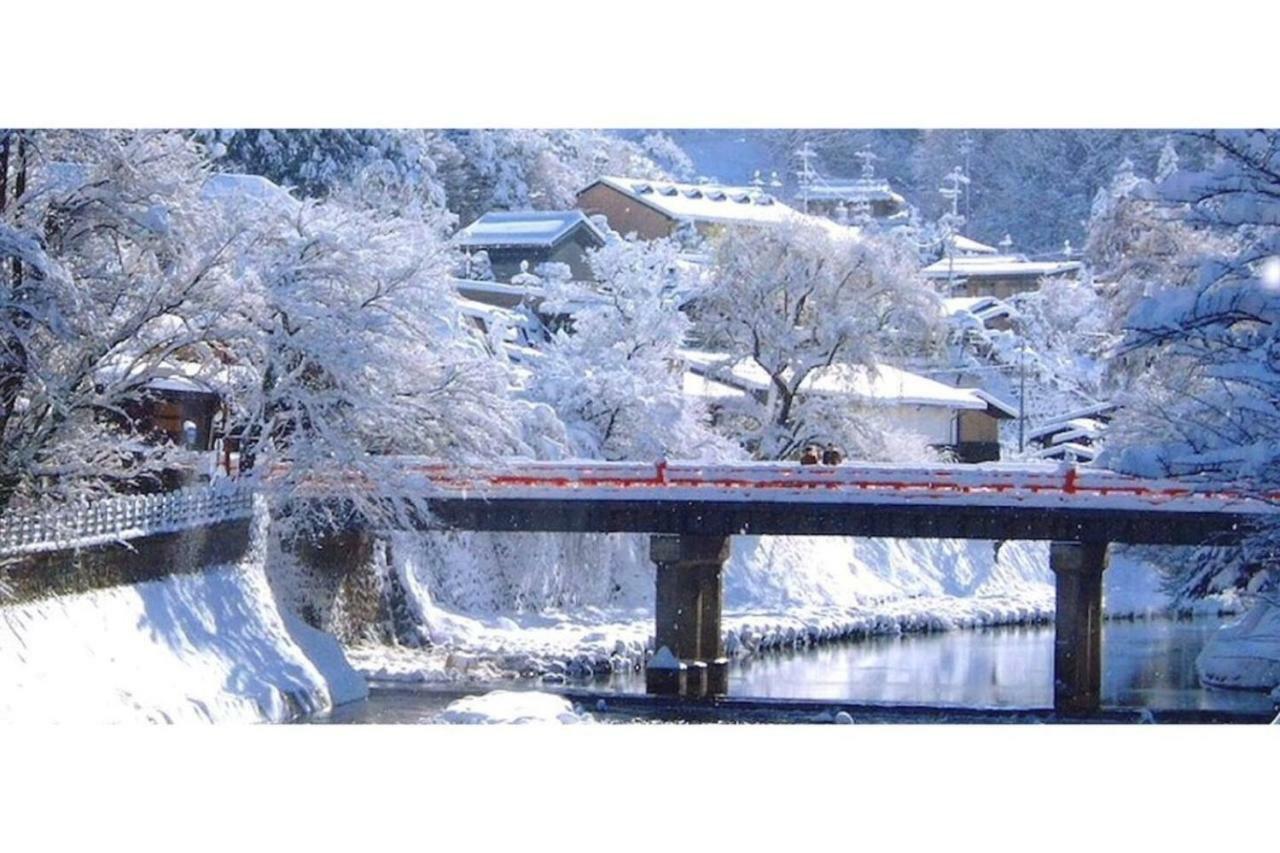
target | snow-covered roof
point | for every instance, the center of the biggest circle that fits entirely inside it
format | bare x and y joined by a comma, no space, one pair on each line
703,202
1003,266
966,246
220,187
1098,411
853,191
885,385
178,375
983,307
542,228
1002,407
485,311
1080,452
231,187
1062,431
697,385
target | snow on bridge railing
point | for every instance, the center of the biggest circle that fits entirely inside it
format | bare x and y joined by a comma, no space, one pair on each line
119,519
986,483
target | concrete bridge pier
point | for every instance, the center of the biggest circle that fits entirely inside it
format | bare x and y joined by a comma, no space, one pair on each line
688,606
1077,641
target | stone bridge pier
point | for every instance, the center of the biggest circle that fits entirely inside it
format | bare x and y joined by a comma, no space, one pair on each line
689,602
690,658
1077,641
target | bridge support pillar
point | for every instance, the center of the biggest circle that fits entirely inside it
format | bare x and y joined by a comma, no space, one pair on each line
688,607
1077,641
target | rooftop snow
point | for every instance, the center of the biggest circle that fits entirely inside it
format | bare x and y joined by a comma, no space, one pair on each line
525,228
886,385
704,202
982,307
1062,431
966,246
969,266
859,190
233,188
697,385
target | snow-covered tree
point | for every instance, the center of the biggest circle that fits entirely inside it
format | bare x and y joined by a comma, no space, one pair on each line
314,163
353,350
116,270
615,379
668,155
795,300
1210,404
514,169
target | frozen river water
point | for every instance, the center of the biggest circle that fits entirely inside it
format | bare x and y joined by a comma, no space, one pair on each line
1146,664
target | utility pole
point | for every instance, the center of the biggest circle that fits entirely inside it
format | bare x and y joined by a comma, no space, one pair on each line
952,221
806,173
966,148
1022,395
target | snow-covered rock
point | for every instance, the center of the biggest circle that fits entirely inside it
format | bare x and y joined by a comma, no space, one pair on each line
512,706
1244,654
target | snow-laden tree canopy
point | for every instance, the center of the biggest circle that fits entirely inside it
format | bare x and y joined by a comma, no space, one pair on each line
354,349
800,298
329,325
1208,402
115,267
616,380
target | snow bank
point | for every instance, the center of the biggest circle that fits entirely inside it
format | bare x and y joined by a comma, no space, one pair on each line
508,706
540,604
1134,587
1246,653
207,647
779,572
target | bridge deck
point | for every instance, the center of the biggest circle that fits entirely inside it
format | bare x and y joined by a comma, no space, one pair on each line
989,501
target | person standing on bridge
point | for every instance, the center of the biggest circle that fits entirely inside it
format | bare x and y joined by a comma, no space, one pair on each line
832,455
809,456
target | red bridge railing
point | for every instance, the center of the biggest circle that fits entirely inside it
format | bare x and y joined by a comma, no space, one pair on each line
960,484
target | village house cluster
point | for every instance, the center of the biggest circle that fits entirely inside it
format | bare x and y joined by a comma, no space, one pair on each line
508,253
507,257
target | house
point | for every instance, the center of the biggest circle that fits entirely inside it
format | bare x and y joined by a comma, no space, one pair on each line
958,244
1000,275
963,421
990,312
841,199
1073,437
178,408
510,238
656,209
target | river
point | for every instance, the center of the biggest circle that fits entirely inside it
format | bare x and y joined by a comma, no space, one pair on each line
1146,664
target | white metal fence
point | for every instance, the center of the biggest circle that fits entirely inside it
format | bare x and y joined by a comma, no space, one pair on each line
123,518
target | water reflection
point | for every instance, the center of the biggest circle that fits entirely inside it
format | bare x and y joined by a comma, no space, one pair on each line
1146,664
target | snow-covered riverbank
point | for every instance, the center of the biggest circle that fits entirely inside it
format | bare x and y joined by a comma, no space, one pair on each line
204,647
489,608
583,607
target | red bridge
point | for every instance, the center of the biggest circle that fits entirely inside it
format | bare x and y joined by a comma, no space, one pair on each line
694,509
